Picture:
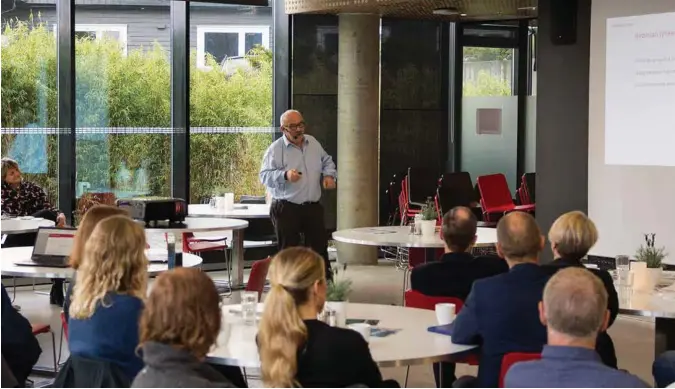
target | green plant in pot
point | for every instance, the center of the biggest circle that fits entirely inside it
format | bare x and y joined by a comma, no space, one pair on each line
647,277
429,216
337,294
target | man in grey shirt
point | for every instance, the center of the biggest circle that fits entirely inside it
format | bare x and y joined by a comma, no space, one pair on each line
294,170
574,311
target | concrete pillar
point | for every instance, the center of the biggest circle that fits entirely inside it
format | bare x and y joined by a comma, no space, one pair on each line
358,131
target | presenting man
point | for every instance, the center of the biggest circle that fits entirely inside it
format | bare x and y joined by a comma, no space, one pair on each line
294,168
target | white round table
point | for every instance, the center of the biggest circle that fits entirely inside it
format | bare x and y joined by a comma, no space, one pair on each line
22,226
401,237
412,345
210,224
13,254
240,211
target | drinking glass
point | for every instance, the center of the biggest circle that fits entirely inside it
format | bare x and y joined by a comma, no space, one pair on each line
249,307
623,270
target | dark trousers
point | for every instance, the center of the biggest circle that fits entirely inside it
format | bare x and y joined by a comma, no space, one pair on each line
448,369
24,240
291,221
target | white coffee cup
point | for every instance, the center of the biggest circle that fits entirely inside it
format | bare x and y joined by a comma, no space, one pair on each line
363,329
445,313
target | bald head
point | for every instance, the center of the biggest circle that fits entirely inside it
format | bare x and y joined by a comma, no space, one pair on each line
519,238
290,117
459,229
575,303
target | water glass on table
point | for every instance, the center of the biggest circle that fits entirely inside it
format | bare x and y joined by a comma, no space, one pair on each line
249,307
623,270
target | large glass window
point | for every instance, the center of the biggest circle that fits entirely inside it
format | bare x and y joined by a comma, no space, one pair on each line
123,141
230,98
29,94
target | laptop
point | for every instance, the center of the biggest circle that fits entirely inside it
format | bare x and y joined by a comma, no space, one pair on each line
52,247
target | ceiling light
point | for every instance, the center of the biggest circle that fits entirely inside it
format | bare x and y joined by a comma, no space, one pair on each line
447,11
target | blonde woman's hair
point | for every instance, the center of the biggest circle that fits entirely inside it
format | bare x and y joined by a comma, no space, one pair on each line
573,234
282,332
113,261
86,227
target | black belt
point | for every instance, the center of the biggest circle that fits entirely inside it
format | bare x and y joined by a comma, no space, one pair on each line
290,202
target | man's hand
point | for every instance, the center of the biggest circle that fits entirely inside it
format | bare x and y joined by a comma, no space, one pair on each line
329,182
61,220
293,175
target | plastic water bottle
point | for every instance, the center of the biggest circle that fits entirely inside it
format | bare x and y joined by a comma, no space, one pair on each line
171,249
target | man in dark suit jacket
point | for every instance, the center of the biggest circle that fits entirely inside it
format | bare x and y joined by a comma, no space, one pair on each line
501,313
457,269
20,349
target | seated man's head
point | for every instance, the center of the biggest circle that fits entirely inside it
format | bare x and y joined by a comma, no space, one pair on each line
519,239
572,235
459,230
574,308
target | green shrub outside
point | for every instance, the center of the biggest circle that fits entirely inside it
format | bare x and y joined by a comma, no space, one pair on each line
114,90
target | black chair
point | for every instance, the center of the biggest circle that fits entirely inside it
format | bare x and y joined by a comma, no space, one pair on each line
456,189
422,184
248,199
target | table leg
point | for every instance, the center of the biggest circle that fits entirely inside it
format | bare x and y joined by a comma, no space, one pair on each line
237,258
664,335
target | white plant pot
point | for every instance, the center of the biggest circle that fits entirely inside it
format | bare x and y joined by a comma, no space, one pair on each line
645,280
340,308
428,228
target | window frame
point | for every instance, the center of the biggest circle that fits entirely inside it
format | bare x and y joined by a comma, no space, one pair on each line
99,29
241,31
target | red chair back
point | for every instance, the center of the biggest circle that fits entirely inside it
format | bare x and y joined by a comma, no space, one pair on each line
64,325
415,299
510,359
495,194
258,277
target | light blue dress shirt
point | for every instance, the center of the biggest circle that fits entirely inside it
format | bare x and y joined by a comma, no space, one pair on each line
311,160
569,367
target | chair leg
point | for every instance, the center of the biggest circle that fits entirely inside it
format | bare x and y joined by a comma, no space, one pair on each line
56,363
60,345
407,371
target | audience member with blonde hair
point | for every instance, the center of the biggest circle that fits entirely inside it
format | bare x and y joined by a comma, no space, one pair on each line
574,311
179,325
295,348
571,236
108,296
84,230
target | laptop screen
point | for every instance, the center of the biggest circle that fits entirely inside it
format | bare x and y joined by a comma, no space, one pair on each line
54,242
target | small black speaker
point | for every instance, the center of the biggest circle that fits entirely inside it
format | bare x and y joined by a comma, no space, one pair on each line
563,19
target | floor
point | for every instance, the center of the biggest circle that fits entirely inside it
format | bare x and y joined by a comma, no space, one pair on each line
633,338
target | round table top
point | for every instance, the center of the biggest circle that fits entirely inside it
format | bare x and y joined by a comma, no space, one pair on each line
200,224
412,345
251,211
398,236
22,226
656,304
13,254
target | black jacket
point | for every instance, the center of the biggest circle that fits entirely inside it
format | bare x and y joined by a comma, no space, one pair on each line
20,349
454,273
335,357
604,345
80,372
170,367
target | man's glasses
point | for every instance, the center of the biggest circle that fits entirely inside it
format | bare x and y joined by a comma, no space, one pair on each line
295,126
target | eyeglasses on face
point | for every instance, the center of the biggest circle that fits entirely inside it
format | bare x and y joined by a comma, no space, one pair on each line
295,126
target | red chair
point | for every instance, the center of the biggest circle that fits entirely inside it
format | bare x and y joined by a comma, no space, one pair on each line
39,329
512,358
496,197
407,210
258,276
197,246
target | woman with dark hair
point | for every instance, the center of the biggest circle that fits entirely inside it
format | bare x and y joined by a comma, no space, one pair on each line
179,325
24,198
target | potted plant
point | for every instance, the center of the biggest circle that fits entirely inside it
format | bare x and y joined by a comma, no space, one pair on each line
429,216
647,276
337,294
